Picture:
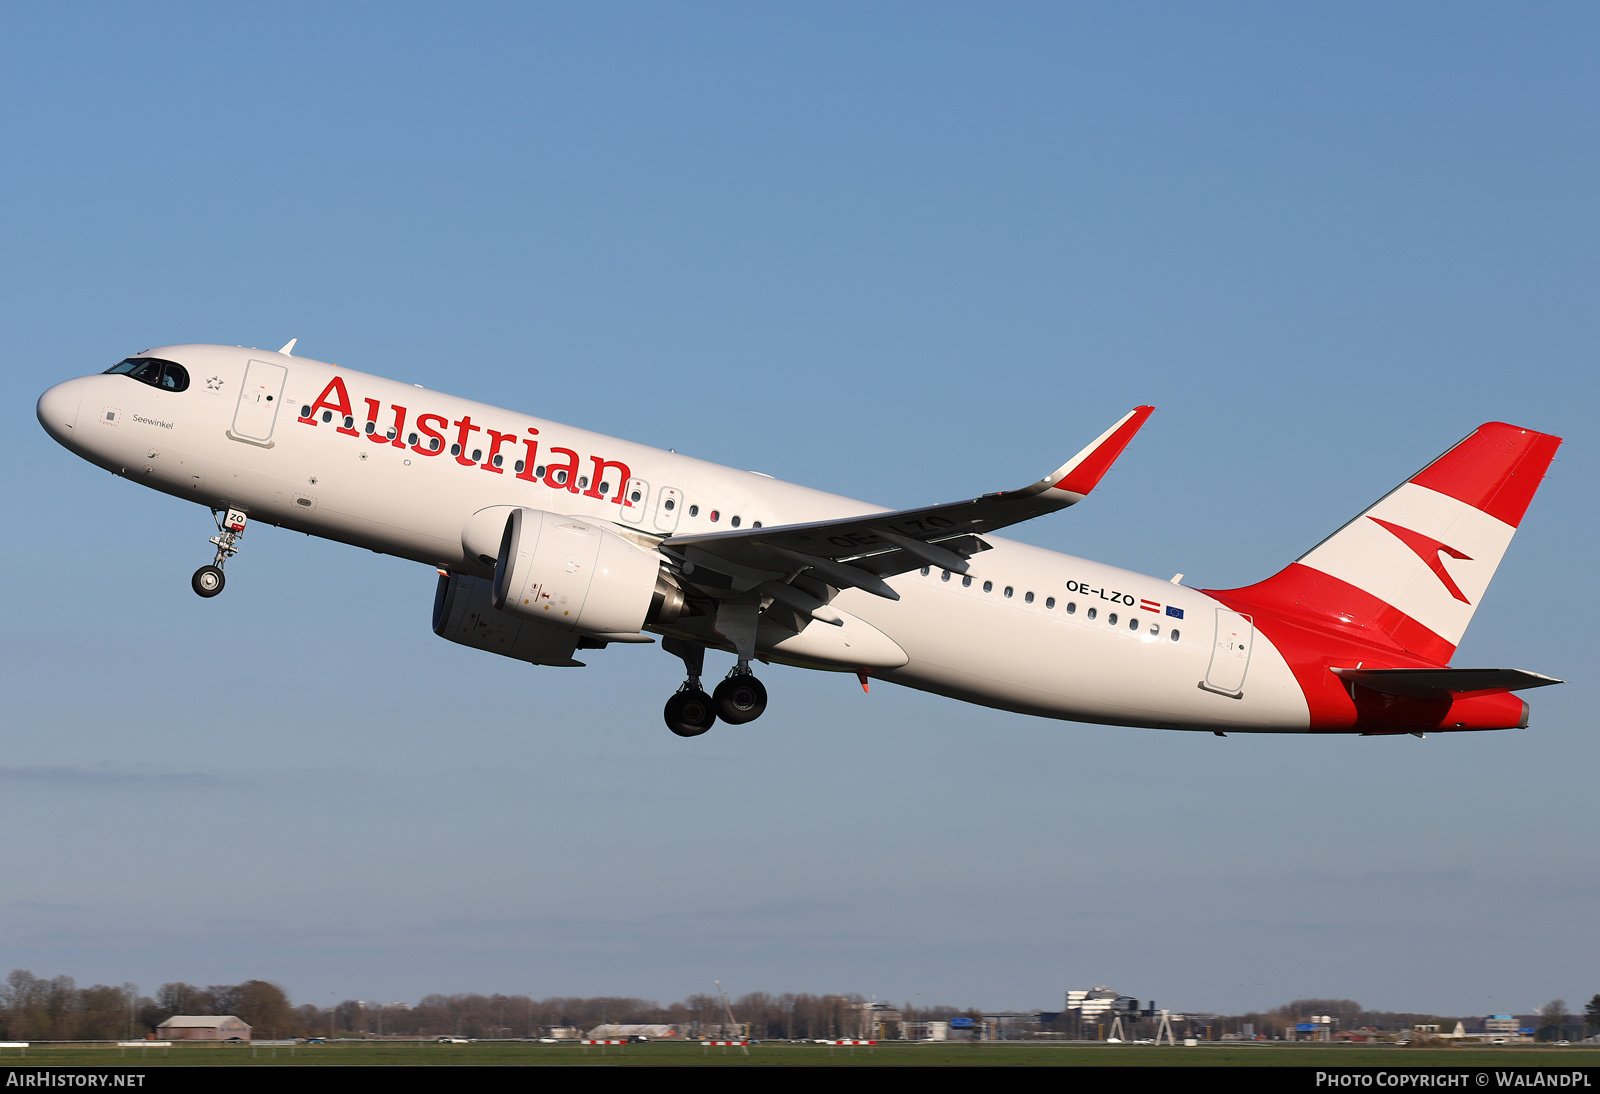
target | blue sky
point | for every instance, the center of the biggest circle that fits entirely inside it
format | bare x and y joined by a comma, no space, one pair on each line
907,253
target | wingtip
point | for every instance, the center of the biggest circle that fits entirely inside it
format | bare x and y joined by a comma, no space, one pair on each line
1085,470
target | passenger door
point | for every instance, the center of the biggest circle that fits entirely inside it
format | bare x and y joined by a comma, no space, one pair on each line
257,412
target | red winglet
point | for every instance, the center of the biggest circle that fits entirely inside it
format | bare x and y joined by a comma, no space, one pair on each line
1496,469
1093,462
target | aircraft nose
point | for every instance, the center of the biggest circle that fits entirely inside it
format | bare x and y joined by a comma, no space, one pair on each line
58,410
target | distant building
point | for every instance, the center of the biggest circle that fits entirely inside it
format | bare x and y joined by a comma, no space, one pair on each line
927,1031
617,1031
1091,1013
1010,1026
202,1027
877,1021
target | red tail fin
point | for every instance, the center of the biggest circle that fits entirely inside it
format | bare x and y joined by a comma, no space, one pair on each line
1408,573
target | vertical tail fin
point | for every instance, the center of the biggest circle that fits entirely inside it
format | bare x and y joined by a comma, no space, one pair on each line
1409,571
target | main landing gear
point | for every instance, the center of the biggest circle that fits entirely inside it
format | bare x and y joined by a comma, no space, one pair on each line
740,698
209,580
690,712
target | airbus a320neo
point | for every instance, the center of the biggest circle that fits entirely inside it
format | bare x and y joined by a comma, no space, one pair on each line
551,541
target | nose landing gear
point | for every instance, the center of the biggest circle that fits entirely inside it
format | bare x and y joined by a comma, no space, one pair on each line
208,581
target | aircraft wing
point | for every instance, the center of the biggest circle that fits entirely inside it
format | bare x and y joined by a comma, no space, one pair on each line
860,551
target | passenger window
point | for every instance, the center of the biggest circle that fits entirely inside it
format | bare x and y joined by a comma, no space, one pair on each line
390,434
1049,601
1112,619
1072,606
455,449
944,576
1092,612
499,460
370,427
668,505
966,583
477,457
538,472
755,524
583,484
1155,629
605,488
714,516
1008,592
305,412
518,466
412,439
433,443
734,522
925,571
349,422
1174,635
1027,598
327,415
694,510
988,586
633,497
1133,624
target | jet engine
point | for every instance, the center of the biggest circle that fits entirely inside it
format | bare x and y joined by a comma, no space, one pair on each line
574,574
462,612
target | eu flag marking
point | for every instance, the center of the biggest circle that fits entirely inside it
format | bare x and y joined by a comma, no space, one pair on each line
1176,613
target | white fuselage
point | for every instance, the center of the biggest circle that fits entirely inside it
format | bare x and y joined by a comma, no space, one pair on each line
1049,648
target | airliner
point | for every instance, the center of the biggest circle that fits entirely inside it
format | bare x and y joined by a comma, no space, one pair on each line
550,542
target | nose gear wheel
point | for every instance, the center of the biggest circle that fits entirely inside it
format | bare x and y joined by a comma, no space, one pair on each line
208,581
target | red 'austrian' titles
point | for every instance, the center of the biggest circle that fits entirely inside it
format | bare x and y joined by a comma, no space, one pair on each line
431,439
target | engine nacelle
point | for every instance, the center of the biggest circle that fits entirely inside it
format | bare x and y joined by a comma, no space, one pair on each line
463,612
570,573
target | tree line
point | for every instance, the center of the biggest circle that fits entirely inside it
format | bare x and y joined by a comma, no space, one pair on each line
33,1008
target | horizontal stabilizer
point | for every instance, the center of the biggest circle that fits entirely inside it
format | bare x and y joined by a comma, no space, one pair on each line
1435,683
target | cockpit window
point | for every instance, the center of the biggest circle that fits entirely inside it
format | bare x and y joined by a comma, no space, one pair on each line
167,375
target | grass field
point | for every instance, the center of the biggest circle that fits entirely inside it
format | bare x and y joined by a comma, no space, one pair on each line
513,1053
